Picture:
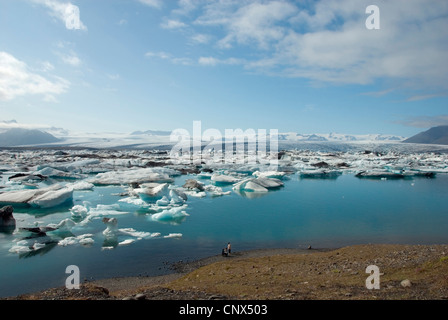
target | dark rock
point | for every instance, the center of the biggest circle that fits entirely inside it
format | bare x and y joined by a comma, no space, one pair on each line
7,221
321,164
25,176
193,184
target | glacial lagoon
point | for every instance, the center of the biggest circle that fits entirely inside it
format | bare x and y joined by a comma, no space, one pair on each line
324,212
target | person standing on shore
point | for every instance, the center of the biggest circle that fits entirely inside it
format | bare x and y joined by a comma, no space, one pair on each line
229,248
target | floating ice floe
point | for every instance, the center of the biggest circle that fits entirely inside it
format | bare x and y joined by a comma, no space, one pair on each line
81,186
173,235
269,174
84,239
258,185
173,215
134,176
111,227
52,196
216,191
138,234
320,173
78,211
58,174
150,189
134,201
163,202
178,197
223,179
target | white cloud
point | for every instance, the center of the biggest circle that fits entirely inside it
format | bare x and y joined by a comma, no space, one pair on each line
173,24
67,12
200,38
160,55
327,40
47,66
254,22
211,61
16,79
71,59
152,3
114,76
166,56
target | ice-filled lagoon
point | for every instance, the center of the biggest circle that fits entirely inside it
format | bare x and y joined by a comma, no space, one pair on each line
321,211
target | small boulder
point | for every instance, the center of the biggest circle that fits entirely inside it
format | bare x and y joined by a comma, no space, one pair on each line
7,221
406,283
193,185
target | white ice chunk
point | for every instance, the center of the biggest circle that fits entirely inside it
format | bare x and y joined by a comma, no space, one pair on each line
78,211
177,197
269,174
55,173
111,227
173,235
135,201
81,186
170,215
84,239
105,210
151,189
163,202
222,178
254,187
126,242
216,191
133,176
53,198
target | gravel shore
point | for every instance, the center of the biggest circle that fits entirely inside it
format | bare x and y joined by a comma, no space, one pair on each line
407,272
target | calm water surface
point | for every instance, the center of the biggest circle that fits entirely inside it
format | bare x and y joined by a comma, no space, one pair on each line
317,212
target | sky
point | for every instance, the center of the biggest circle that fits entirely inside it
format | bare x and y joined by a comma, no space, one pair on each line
301,66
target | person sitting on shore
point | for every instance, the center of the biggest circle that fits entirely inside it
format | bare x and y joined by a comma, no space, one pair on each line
224,252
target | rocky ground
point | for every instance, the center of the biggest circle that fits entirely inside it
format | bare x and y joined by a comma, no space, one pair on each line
407,272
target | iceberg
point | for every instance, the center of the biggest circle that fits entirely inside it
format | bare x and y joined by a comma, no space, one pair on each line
151,189
126,242
174,215
216,191
52,198
138,234
57,174
223,179
44,198
259,185
320,173
84,239
163,202
269,174
177,197
79,211
80,186
134,176
254,187
111,227
173,235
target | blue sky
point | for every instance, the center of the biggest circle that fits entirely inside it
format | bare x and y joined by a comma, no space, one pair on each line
303,66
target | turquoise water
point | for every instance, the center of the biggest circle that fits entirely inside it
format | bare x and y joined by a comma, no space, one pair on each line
317,212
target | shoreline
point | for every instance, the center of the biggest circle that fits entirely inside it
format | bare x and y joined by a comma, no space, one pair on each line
182,268
282,273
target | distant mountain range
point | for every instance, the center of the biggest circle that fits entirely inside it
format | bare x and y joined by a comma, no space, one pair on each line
435,135
25,137
33,137
337,137
152,133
